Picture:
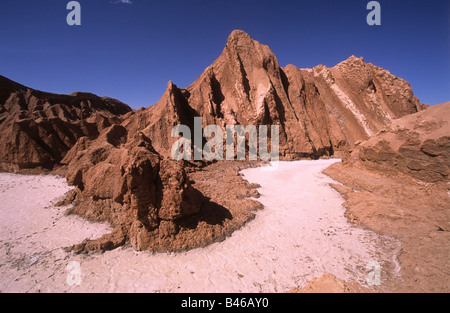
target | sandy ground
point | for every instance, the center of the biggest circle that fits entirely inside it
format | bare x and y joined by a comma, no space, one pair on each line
301,234
415,212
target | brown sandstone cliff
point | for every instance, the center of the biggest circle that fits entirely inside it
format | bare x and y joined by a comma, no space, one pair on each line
151,201
39,128
320,110
417,145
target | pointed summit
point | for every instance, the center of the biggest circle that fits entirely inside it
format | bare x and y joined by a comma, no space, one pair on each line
240,44
238,36
238,33
233,89
246,86
352,61
354,58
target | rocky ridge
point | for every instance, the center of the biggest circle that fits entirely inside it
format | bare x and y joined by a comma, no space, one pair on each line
39,128
320,111
417,145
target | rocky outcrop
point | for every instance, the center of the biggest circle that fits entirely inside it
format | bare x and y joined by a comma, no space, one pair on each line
417,145
330,284
143,192
157,121
39,128
321,111
396,184
150,201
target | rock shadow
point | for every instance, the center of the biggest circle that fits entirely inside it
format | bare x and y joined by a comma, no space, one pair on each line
211,212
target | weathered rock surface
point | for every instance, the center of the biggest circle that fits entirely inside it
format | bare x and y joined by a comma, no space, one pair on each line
150,201
417,145
128,184
149,198
38,128
396,184
320,111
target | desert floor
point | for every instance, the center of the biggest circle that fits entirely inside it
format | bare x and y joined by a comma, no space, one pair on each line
301,234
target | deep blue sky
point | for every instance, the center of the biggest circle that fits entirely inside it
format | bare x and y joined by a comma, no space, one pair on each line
131,51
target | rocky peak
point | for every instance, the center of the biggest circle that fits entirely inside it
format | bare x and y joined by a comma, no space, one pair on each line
238,37
247,51
320,111
353,60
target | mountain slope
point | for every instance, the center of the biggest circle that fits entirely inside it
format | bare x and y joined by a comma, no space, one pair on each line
397,184
417,145
320,110
38,128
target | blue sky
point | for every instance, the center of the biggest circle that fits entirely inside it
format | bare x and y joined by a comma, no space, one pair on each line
130,51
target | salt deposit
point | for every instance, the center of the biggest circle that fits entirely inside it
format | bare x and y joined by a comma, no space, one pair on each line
302,233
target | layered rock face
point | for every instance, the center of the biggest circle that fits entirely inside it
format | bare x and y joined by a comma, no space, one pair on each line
397,183
417,145
128,184
38,128
150,200
320,110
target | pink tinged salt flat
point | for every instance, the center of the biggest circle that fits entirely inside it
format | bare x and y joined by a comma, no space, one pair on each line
302,233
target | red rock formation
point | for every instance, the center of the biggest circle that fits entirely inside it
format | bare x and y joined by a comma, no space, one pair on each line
149,200
126,183
417,145
320,110
38,128
397,184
